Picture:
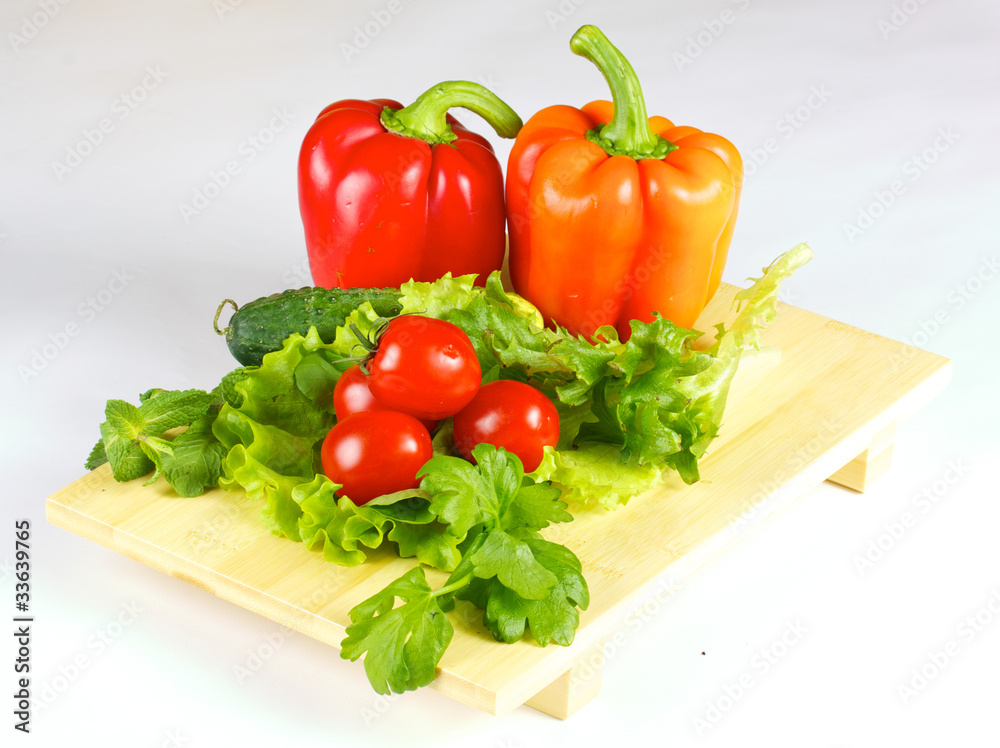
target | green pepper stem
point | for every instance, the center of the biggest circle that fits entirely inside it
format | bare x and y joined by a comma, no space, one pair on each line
426,117
628,133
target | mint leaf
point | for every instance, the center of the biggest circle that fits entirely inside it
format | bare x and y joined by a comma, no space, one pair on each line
155,448
169,409
227,387
195,460
132,436
120,432
401,645
97,456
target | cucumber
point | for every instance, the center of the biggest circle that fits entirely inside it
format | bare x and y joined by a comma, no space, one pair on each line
261,326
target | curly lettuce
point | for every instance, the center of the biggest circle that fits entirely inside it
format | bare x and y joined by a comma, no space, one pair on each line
640,408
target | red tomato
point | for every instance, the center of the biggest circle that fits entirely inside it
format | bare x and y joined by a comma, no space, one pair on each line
425,367
374,453
351,395
508,414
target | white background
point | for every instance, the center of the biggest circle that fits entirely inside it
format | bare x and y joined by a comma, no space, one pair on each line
850,98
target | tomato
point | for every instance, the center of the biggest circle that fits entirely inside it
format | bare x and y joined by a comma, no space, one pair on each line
508,414
375,452
351,395
425,367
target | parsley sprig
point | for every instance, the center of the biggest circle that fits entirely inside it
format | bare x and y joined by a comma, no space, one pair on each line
520,580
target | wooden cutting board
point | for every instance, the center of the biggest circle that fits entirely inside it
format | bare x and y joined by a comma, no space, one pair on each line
820,404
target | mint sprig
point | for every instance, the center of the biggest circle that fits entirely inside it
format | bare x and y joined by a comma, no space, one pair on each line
132,439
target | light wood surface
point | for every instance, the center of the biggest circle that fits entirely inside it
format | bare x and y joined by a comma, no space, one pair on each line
821,403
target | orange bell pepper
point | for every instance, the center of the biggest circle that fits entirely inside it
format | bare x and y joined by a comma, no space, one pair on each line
613,216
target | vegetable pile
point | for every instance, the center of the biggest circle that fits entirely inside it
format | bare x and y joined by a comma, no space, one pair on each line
410,399
627,413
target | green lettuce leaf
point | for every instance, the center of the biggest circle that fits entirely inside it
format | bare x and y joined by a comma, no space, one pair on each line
663,401
438,298
354,338
504,333
342,530
272,429
595,475
272,394
273,424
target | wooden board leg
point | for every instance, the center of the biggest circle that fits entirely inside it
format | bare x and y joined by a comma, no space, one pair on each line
574,688
870,465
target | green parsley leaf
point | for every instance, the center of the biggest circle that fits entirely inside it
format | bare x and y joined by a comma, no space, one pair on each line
553,617
536,506
401,644
460,495
511,561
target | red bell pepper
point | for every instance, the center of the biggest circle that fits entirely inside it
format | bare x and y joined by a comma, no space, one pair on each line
389,193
